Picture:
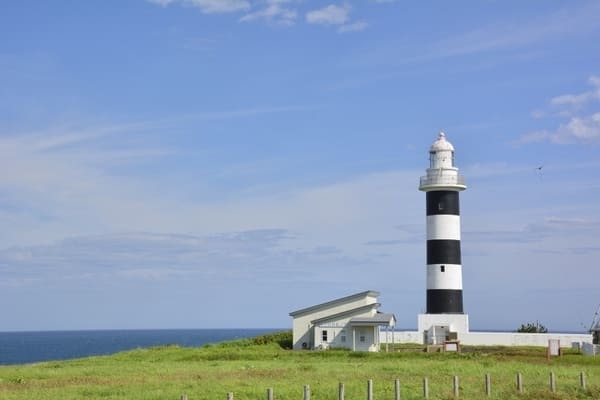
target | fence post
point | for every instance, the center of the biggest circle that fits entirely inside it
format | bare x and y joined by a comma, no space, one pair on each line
397,389
269,393
552,382
488,385
426,387
519,383
582,380
455,385
230,396
183,397
306,392
341,392
370,389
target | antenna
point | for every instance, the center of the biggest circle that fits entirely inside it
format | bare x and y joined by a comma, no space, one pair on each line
596,320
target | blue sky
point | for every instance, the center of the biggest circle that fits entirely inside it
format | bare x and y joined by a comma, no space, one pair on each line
220,163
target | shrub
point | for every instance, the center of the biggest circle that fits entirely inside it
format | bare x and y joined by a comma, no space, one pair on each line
532,327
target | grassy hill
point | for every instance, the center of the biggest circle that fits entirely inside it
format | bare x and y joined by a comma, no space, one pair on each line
247,367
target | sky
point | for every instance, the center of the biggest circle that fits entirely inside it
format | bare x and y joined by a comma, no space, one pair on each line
221,163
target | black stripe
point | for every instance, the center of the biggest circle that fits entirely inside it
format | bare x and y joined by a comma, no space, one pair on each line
444,301
442,202
443,251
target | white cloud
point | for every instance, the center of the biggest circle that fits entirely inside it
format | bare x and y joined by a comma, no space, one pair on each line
579,128
209,6
580,99
329,15
353,27
273,12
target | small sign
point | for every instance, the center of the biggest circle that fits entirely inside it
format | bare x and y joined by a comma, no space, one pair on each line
452,345
553,348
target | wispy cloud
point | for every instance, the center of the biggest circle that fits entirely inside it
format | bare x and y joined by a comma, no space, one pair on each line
513,35
579,128
580,99
261,254
353,27
273,11
337,16
209,6
329,15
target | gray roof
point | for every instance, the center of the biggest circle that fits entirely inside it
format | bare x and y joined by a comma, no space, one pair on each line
346,313
377,319
334,302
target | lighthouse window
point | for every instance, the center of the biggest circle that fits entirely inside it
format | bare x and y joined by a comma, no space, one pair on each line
442,268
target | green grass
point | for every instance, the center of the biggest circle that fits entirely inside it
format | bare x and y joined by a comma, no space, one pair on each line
248,367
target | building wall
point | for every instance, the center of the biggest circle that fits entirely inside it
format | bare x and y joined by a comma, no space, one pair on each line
340,333
302,328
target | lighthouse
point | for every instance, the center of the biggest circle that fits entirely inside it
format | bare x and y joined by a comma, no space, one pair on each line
444,318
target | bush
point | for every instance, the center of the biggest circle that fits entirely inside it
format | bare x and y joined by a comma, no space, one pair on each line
532,327
282,338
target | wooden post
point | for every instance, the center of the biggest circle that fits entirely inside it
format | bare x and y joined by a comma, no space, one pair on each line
455,385
488,385
582,380
426,388
370,389
552,382
397,389
306,392
230,396
519,383
341,392
183,397
269,393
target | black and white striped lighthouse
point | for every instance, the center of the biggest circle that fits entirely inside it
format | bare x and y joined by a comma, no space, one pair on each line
442,185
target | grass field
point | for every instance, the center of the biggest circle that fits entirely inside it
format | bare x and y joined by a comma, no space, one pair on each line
248,367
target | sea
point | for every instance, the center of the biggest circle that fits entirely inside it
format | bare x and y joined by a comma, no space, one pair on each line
31,347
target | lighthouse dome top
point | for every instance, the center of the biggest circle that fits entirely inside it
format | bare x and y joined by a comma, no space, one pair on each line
441,144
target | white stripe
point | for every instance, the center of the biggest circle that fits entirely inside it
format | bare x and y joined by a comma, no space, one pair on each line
451,278
443,227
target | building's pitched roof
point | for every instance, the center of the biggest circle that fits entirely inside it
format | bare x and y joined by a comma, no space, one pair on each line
377,319
334,303
346,313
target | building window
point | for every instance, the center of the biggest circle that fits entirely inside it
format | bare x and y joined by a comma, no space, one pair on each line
442,268
343,336
324,336
362,338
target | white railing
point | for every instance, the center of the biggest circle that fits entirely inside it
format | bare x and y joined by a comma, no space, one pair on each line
442,180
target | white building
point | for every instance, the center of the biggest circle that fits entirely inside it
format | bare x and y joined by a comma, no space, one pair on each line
353,322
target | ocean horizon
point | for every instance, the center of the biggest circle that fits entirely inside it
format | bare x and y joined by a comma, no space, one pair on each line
26,347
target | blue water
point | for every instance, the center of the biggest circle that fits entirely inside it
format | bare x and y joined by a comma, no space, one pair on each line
29,347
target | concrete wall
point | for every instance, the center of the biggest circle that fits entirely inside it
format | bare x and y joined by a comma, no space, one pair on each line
401,337
591,349
496,338
522,339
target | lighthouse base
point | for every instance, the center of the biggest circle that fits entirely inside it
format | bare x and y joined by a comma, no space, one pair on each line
437,328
